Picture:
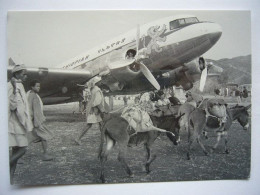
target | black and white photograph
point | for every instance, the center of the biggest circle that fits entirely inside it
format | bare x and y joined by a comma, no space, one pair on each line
106,97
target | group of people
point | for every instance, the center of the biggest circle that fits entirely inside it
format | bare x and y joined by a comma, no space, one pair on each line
26,121
97,108
241,94
162,98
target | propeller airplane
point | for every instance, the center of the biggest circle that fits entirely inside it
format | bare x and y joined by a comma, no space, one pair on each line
158,54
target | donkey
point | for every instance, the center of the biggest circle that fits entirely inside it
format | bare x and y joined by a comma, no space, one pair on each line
186,109
199,123
116,130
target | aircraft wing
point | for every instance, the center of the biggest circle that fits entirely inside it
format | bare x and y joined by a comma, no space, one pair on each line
62,83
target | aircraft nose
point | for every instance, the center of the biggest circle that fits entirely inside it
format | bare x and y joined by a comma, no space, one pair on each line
216,32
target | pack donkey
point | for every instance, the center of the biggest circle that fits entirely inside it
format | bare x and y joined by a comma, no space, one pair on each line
117,130
199,123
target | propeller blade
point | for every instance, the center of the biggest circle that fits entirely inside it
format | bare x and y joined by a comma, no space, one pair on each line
121,63
137,39
203,78
149,76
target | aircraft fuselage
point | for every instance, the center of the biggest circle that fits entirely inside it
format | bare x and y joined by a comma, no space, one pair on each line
163,45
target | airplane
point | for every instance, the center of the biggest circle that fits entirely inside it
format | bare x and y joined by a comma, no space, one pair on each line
155,55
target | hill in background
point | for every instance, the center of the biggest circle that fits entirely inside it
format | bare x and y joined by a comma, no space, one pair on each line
236,70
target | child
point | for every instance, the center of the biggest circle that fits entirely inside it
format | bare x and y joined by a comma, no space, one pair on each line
40,131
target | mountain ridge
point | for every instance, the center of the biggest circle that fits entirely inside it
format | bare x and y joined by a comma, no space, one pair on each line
235,70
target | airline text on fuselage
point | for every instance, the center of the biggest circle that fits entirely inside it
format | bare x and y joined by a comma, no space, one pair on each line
100,51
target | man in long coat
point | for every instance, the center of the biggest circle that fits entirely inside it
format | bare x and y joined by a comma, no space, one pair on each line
19,122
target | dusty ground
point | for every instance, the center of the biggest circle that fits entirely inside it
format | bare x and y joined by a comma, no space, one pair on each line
75,164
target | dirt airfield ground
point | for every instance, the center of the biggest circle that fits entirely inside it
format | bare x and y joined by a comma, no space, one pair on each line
74,164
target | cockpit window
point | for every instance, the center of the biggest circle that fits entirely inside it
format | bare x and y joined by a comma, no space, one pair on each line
174,24
191,20
182,22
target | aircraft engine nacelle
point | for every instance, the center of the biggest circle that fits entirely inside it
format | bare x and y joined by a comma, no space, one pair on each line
117,78
188,74
177,77
186,85
123,66
125,74
195,68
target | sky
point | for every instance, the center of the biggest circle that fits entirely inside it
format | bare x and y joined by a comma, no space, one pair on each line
46,39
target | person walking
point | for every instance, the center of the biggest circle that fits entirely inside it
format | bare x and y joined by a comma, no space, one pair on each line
40,131
125,100
19,122
95,108
237,94
245,93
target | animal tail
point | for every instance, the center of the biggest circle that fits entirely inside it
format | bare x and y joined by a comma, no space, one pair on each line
103,129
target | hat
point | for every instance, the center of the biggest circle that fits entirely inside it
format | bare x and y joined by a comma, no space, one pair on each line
93,81
85,85
18,67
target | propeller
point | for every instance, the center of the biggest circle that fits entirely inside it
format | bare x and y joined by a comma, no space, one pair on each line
121,63
203,78
204,74
146,72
